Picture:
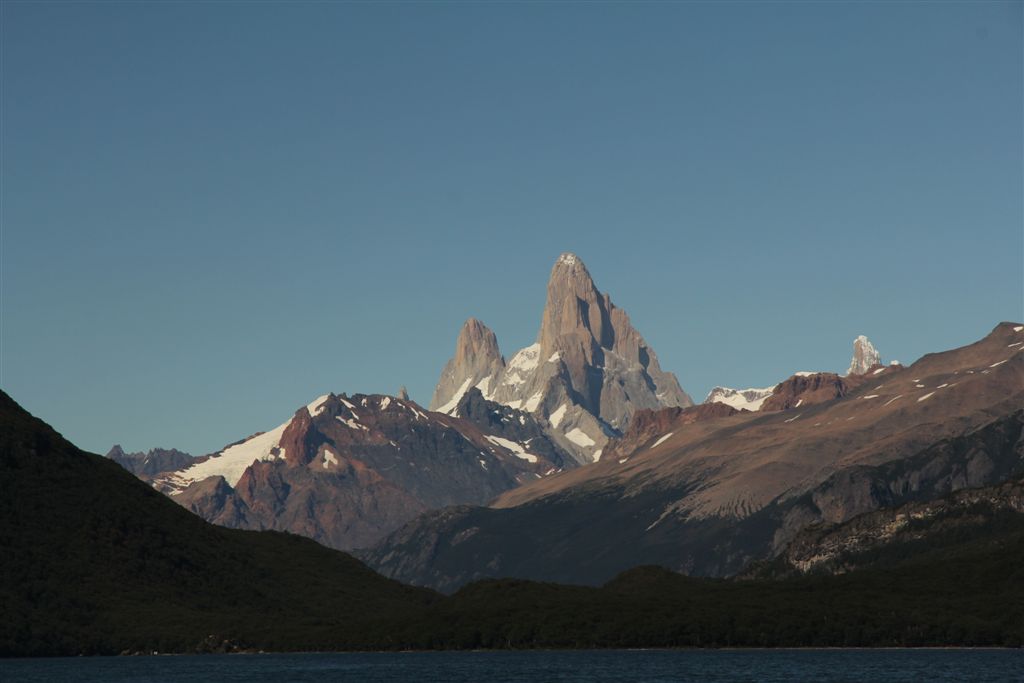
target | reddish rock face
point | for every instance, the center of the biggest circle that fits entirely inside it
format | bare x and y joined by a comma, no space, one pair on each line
805,390
650,422
357,468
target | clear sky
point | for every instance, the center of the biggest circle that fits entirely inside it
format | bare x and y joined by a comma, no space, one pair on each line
214,212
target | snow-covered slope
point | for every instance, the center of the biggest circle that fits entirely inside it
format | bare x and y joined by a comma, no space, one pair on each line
740,399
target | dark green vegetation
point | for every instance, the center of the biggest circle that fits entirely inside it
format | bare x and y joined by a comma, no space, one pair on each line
94,561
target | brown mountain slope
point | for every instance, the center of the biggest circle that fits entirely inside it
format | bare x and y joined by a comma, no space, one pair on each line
708,496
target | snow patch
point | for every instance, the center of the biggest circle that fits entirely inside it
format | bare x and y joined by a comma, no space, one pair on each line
879,370
926,396
740,399
1018,328
522,364
233,461
793,418
870,396
597,454
316,406
385,402
555,356
450,406
329,458
483,385
661,440
891,400
556,417
515,448
579,437
999,363
352,424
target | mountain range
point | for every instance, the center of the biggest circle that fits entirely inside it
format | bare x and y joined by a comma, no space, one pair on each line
347,470
707,492
580,457
97,562
583,378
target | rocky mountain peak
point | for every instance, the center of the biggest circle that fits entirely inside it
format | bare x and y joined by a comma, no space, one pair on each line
477,361
574,307
865,356
586,375
596,341
476,344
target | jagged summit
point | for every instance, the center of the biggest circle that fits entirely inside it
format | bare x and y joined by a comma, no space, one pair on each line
586,375
865,356
476,362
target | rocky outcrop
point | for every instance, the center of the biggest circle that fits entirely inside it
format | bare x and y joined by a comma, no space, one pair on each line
866,539
150,463
586,375
864,358
346,471
515,429
806,389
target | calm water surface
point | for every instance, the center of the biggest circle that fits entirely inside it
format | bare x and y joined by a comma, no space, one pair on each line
651,666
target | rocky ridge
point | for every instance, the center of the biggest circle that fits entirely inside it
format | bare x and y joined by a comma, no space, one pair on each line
585,376
149,463
346,470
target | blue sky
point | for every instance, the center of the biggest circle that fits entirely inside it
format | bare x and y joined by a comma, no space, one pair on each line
214,212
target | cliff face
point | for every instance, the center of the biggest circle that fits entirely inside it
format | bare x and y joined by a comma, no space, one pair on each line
588,373
893,534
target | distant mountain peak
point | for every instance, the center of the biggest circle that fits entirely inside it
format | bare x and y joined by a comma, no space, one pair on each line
865,356
586,375
740,399
477,362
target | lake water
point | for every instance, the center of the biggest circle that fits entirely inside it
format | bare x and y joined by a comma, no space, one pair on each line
649,666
